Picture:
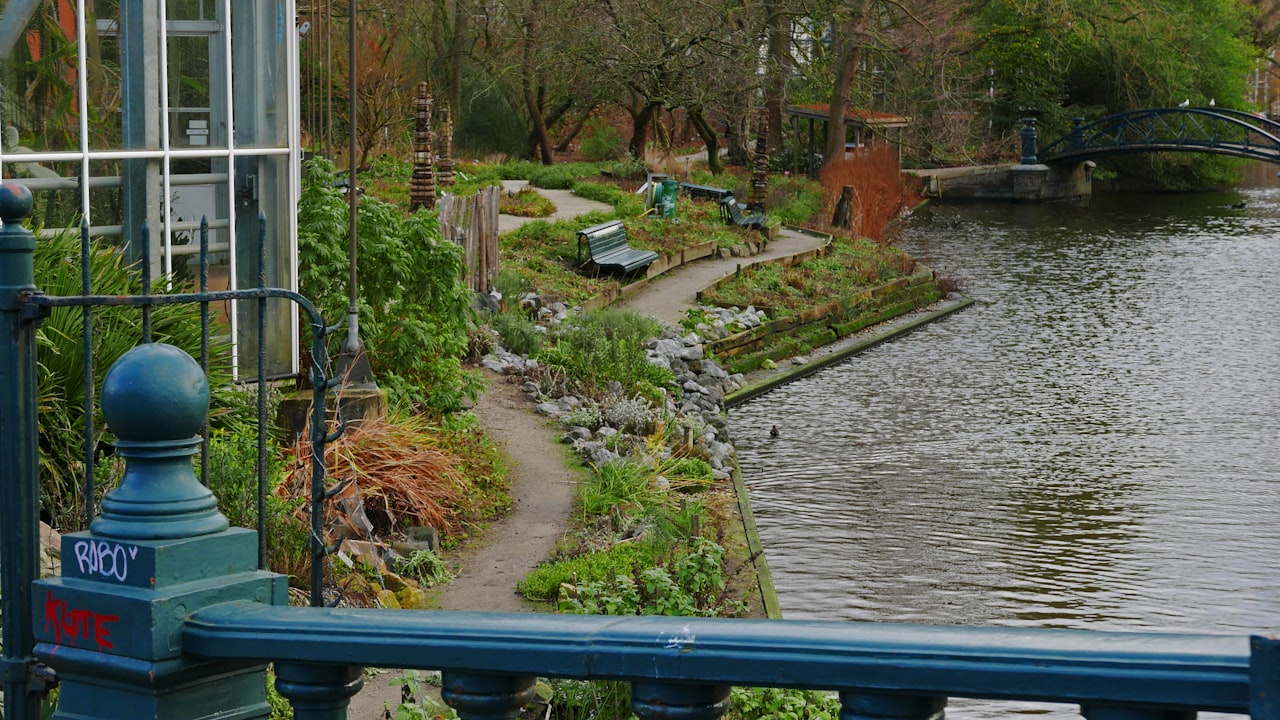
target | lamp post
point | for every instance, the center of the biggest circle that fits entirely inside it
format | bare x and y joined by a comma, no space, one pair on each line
353,364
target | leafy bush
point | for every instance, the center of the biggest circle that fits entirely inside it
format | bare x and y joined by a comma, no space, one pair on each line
688,474
233,479
619,486
601,140
631,415
690,585
426,567
414,309
753,703
544,582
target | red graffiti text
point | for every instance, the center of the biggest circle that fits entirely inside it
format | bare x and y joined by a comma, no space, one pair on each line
76,624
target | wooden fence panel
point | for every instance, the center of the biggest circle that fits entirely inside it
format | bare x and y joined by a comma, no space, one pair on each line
472,223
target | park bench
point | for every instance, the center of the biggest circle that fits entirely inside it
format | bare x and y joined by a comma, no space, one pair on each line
607,248
705,192
736,214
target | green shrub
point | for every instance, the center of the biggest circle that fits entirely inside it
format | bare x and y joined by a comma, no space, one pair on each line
426,567
511,284
692,584
601,140
753,703
620,486
688,474
414,308
61,362
517,332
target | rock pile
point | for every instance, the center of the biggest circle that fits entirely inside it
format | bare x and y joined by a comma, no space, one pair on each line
718,322
603,432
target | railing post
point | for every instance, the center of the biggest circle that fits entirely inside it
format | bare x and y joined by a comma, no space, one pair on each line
1077,133
319,692
882,706
481,696
674,701
111,625
19,478
1029,142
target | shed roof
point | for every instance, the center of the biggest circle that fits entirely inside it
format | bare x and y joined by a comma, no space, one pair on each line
858,116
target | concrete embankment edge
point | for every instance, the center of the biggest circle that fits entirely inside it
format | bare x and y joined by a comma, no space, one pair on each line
764,577
755,548
757,389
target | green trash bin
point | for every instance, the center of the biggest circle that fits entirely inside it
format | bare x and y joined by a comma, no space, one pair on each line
668,199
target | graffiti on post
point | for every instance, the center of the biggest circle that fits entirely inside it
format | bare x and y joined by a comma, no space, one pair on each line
72,624
104,558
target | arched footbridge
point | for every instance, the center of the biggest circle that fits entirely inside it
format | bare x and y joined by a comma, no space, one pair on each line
1180,129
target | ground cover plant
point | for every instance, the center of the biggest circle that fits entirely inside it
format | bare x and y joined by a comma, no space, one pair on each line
850,266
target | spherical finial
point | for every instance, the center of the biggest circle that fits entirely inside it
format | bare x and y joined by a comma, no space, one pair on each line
155,392
15,203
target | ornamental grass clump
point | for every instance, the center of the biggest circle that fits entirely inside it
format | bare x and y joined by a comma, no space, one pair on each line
607,345
406,474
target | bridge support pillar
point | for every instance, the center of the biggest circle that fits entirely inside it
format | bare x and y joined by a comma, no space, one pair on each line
111,625
482,696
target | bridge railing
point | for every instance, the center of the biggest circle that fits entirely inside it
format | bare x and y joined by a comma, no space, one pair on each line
184,622
1182,129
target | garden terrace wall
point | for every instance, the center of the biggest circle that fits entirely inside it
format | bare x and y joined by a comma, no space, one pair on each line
795,334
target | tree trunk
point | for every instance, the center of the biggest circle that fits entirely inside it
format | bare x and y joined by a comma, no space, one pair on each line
846,70
456,52
539,139
779,27
709,137
640,121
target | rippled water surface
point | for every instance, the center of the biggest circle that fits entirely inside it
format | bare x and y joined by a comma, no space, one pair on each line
1094,444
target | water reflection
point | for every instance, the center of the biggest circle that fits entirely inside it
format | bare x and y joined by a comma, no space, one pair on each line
1094,444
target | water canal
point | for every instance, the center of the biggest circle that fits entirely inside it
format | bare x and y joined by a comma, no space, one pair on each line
1094,444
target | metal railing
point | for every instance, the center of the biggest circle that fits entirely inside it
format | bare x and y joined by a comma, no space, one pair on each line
23,308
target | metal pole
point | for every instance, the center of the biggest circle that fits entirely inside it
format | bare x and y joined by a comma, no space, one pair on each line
353,317
19,486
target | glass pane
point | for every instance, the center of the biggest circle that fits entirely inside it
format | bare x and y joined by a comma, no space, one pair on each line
191,9
189,91
104,86
41,87
260,85
105,205
271,197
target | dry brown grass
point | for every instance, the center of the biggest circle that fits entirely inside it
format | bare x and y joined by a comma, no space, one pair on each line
402,476
880,195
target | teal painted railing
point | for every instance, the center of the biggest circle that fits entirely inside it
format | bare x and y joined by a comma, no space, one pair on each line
181,623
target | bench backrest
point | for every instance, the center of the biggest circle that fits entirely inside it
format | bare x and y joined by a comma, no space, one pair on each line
603,237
